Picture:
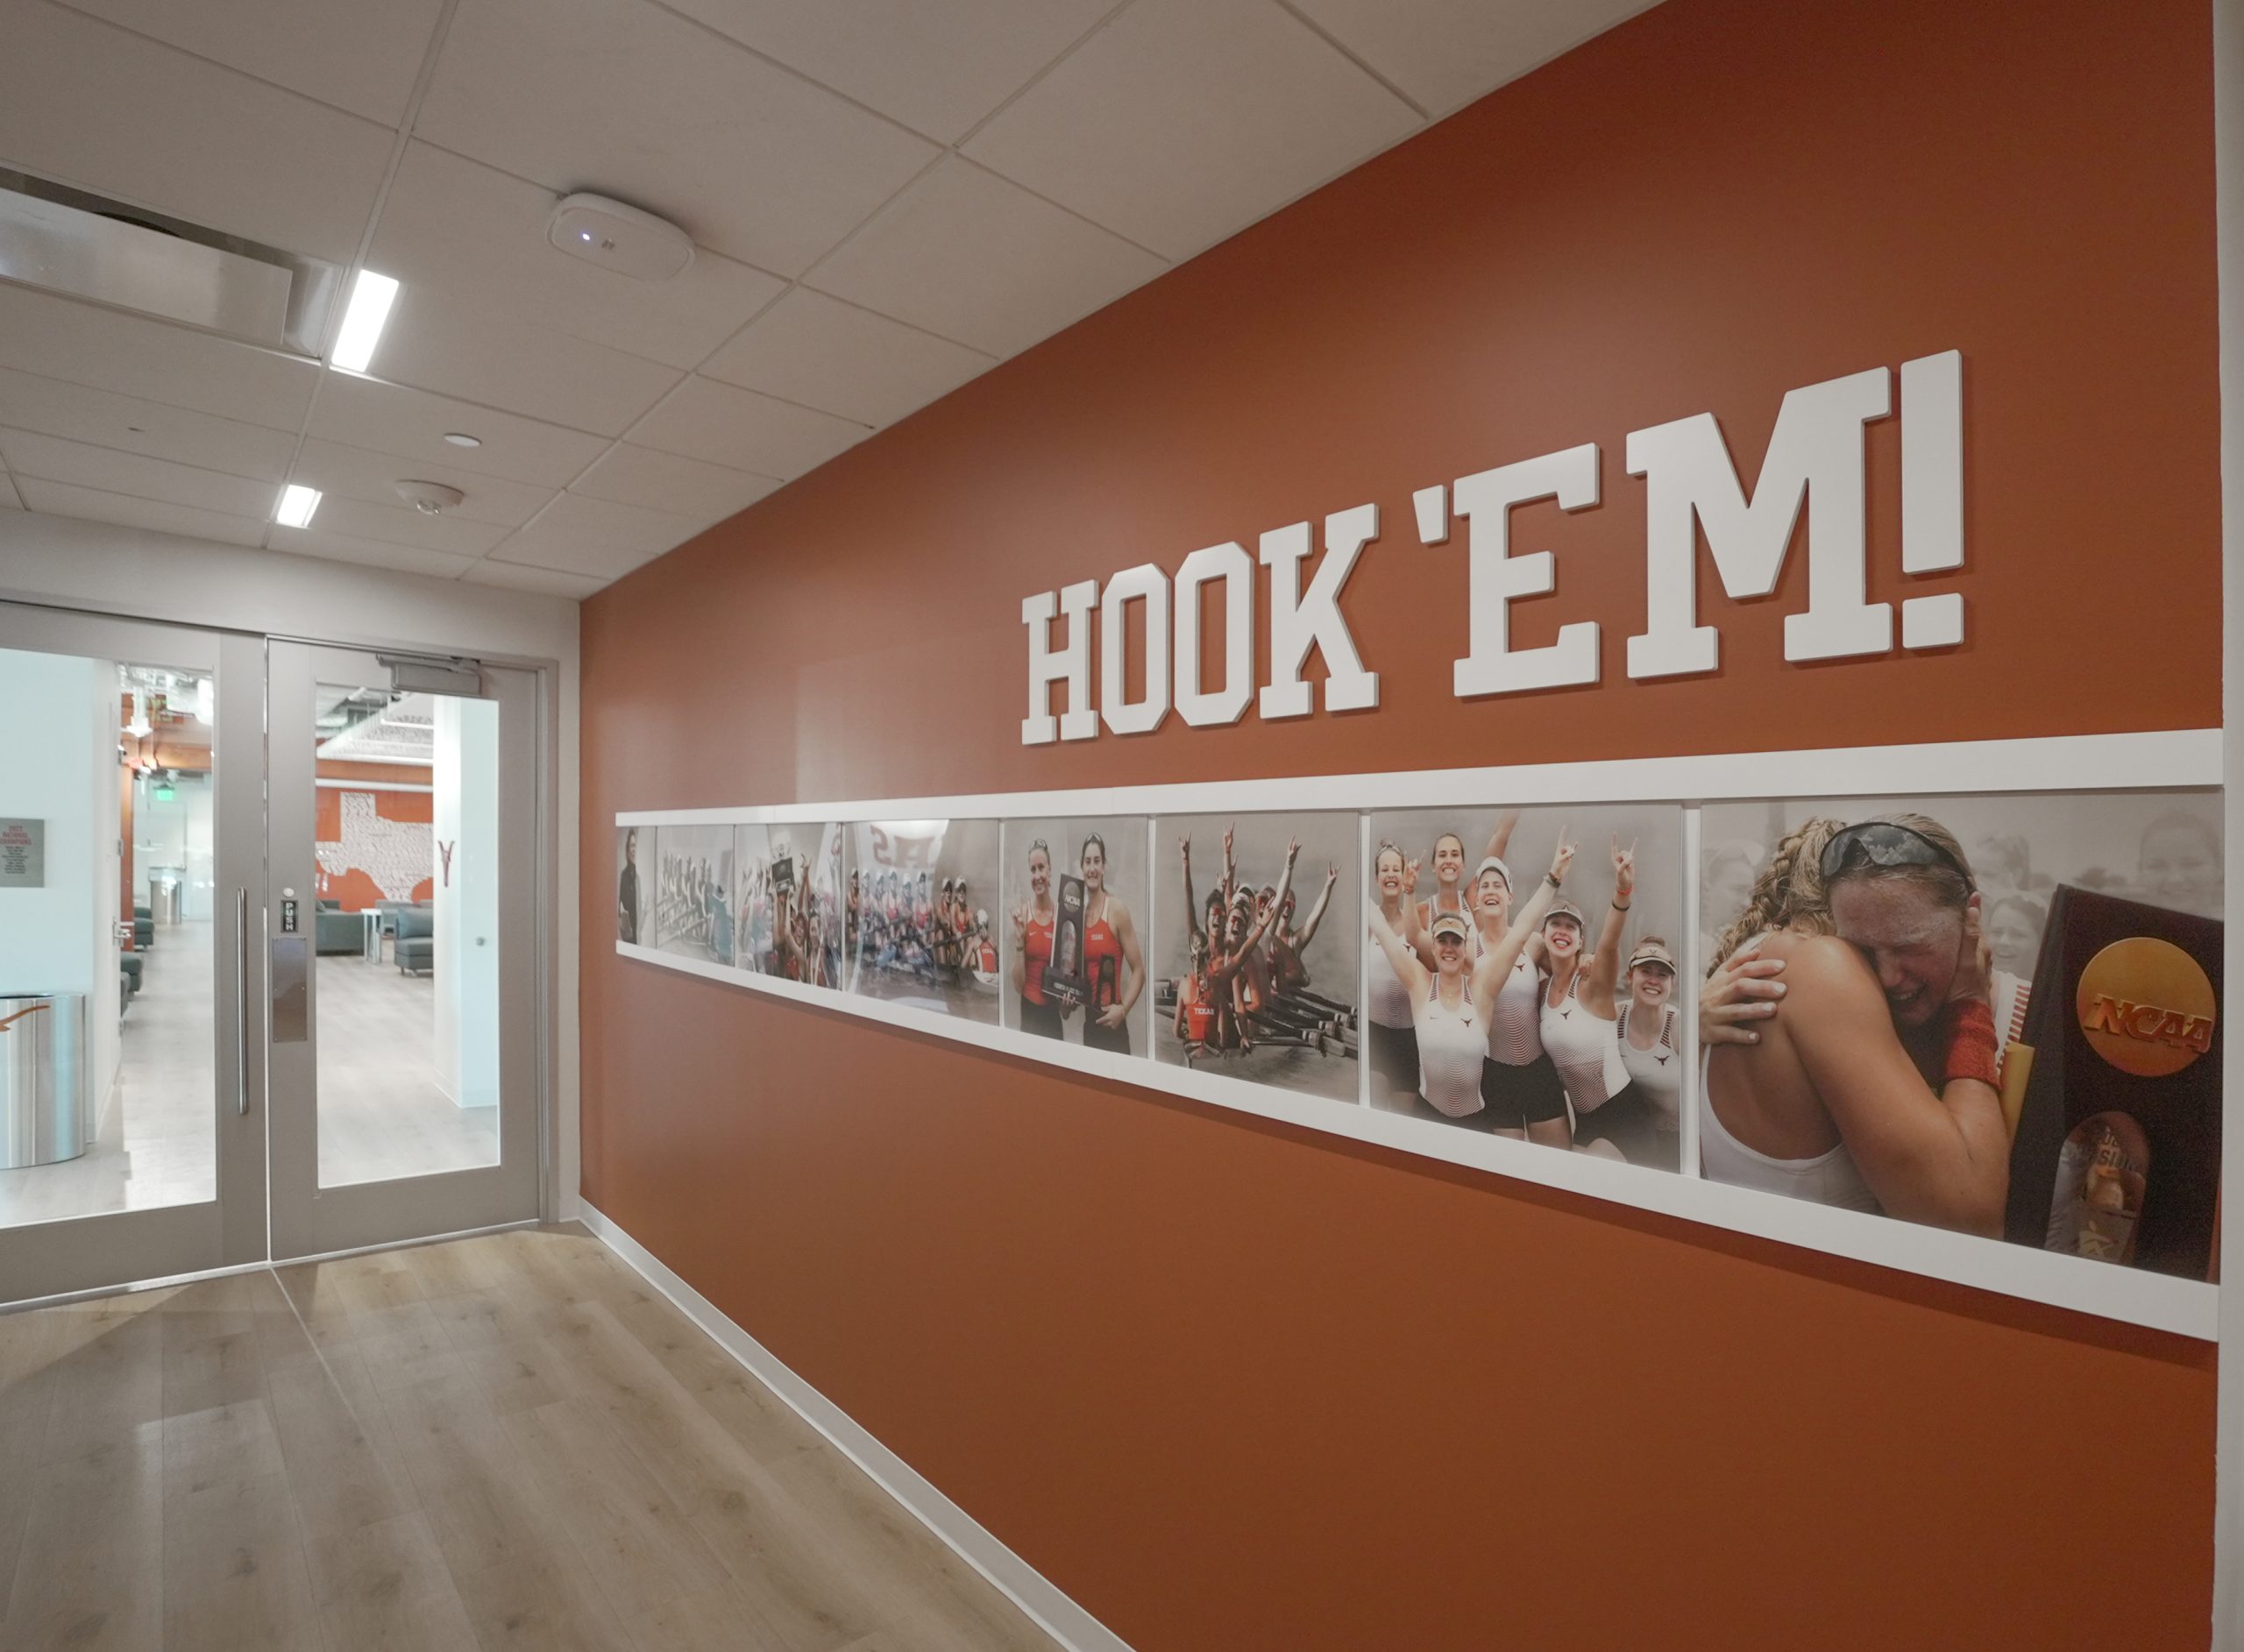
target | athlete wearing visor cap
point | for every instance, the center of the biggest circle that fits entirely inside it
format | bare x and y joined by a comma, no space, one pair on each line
1452,1001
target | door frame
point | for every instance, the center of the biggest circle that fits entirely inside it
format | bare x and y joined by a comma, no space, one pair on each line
117,1248
307,1219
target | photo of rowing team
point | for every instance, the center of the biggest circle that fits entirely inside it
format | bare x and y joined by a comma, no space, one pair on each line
1530,991
1075,959
1869,1009
905,927
915,914
691,913
1245,987
790,902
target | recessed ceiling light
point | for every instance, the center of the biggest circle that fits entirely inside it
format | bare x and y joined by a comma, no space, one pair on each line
371,297
297,503
461,439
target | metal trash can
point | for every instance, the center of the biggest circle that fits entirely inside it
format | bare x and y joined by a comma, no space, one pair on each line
167,885
43,1117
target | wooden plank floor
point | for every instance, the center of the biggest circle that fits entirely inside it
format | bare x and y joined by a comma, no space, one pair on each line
503,1442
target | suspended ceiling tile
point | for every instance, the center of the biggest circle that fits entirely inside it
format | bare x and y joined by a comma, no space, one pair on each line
8,499
937,69
108,110
639,476
133,356
824,353
1183,121
704,420
460,228
372,553
435,342
549,582
625,98
61,498
53,460
595,537
367,413
132,425
342,472
397,524
1444,54
356,56
968,255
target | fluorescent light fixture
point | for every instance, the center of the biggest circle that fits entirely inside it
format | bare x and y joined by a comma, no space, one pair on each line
297,503
371,298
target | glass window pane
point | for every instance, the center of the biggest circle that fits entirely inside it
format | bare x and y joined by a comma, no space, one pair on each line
406,933
107,950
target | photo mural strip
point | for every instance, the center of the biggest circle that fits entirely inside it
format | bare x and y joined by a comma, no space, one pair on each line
1973,1033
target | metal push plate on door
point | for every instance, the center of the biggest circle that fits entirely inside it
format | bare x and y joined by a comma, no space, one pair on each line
291,994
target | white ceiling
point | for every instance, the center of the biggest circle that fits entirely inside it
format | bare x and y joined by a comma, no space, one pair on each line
888,197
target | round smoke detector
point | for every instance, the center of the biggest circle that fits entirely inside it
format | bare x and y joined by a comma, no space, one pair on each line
430,499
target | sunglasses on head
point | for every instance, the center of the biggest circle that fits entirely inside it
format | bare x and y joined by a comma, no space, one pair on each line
1884,843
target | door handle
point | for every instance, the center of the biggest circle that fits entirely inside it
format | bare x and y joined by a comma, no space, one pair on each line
241,1002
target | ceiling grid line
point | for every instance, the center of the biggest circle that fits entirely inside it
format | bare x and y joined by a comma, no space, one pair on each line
856,262
234,70
421,82
695,372
1354,56
944,152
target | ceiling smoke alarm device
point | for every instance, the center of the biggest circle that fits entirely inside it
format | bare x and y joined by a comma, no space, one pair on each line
620,237
430,499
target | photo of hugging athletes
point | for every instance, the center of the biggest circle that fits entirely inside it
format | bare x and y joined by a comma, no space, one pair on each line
1934,1008
1522,978
1257,978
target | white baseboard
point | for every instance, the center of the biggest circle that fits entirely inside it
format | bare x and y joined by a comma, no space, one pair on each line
1022,1583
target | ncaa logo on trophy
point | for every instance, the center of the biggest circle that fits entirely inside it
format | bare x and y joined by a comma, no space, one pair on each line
2146,1006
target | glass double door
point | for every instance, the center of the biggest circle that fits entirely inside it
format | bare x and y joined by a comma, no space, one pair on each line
269,972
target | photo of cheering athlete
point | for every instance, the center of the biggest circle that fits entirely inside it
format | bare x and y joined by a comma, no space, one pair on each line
1257,973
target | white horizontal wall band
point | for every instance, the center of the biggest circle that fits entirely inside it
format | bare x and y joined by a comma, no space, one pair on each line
2186,1307
1020,1582
372,786
2157,760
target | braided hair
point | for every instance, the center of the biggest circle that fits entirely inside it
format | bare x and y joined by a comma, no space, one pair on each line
1789,894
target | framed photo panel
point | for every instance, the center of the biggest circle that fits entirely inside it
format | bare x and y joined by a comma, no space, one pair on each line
1076,910
2001,1014
924,934
1258,973
1569,993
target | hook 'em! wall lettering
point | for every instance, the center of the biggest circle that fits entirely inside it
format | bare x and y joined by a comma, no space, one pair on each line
1816,455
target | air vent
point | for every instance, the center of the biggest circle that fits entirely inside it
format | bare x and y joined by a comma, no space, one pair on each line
63,240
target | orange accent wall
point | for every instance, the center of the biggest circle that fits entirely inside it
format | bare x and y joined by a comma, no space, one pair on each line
1235,1385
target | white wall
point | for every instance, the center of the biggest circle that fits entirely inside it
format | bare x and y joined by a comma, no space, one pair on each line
175,833
124,571
59,714
465,806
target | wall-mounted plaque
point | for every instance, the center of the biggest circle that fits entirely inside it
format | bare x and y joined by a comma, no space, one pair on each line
23,854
